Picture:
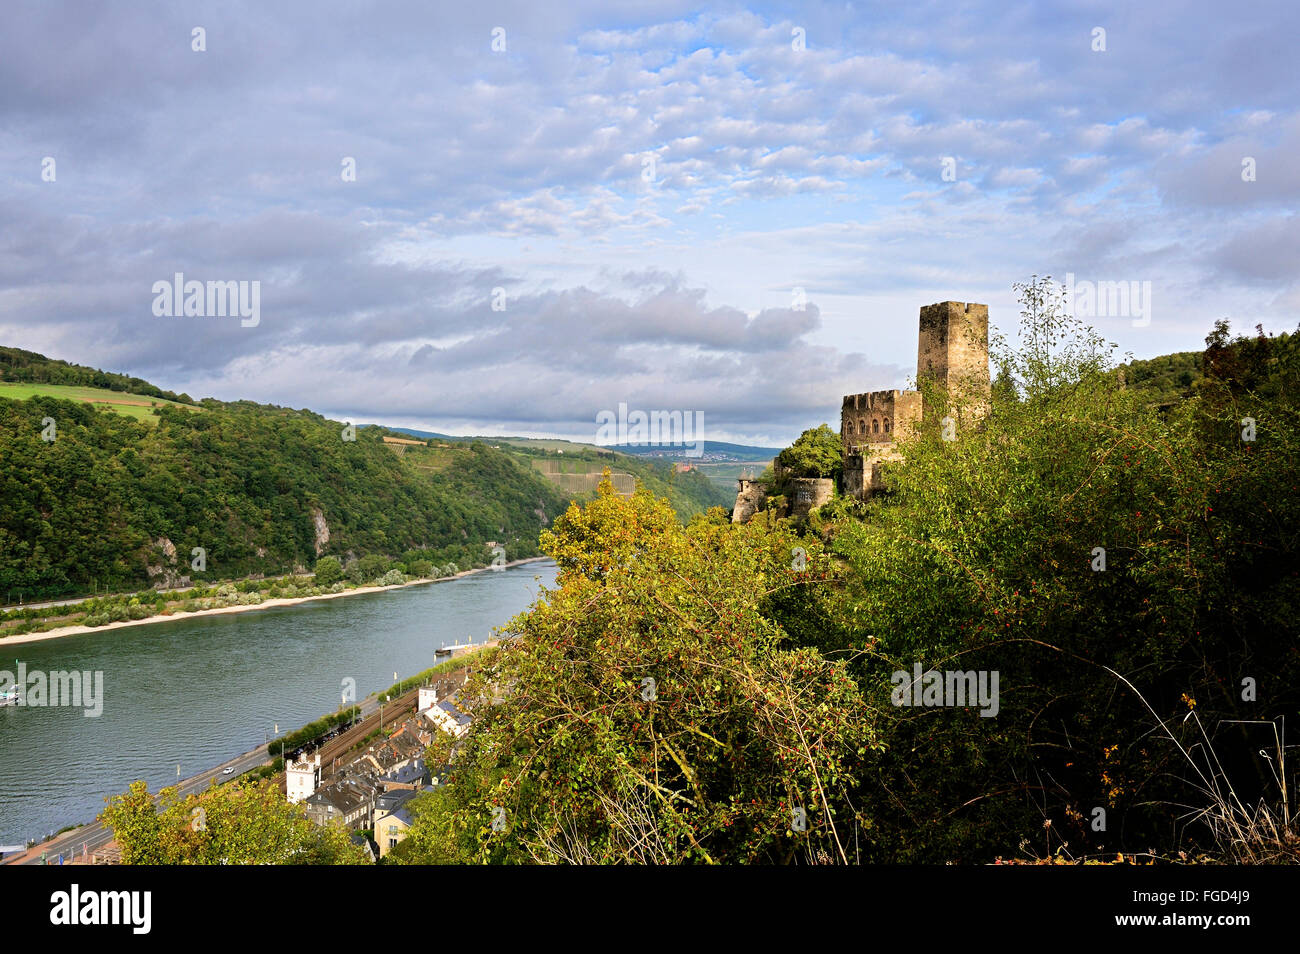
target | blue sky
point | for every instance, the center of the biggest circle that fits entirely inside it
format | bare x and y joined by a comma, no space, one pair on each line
775,168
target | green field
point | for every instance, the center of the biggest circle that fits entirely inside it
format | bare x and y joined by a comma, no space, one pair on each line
724,474
138,406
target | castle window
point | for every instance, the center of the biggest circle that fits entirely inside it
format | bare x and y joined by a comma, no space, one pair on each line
886,426
875,427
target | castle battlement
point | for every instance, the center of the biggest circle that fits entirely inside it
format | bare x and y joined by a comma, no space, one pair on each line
952,349
876,417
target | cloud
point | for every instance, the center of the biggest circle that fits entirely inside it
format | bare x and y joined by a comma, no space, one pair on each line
774,167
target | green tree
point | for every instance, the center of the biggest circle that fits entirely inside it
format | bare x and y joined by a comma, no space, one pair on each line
328,571
647,711
817,452
238,823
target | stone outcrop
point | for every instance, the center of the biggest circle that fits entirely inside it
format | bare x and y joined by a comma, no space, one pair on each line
322,530
749,500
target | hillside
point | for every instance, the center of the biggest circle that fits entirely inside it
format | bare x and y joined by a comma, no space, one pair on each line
138,406
28,367
120,500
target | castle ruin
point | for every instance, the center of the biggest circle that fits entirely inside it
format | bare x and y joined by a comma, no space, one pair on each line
952,351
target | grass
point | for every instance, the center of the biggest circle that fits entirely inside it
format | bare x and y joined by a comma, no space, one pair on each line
138,406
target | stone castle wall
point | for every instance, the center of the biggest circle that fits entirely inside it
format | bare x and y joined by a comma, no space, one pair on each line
877,417
806,494
749,498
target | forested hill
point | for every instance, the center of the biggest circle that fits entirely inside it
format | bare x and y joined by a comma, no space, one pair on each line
257,488
94,498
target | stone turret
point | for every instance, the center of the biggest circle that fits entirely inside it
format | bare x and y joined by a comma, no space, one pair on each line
953,345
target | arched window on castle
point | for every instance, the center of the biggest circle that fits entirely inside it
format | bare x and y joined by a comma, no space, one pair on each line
886,425
875,426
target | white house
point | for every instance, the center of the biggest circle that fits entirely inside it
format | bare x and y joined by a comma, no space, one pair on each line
301,779
448,718
428,698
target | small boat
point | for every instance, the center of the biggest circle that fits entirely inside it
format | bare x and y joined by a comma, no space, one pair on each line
10,697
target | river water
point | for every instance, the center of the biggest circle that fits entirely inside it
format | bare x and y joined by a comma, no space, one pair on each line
198,691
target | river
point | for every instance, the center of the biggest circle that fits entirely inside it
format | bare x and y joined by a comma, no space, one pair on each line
198,691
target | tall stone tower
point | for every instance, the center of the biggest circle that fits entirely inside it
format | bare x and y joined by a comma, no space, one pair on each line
953,346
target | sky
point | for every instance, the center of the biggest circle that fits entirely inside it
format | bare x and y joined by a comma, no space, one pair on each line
503,219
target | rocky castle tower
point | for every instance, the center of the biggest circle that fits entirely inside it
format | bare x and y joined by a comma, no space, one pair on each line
953,345
952,350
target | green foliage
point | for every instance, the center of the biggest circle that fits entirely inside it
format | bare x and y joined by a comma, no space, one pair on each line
313,730
242,823
986,556
589,764
246,483
368,569
328,571
29,367
817,452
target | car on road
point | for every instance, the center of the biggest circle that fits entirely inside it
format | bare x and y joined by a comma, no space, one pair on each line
228,771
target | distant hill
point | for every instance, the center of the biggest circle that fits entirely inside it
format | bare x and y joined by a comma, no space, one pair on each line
423,435
139,406
1166,379
715,450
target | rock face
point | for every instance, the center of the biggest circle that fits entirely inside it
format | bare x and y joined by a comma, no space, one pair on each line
749,498
170,578
322,530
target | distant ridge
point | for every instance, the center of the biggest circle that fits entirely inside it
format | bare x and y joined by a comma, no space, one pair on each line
746,452
743,452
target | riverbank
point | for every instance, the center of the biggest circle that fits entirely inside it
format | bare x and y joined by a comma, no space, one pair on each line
265,604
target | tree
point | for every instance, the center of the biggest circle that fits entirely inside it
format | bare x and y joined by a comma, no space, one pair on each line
1088,548
328,571
647,711
237,823
818,452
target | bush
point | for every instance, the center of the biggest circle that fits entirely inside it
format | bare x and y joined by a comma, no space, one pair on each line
368,568
393,578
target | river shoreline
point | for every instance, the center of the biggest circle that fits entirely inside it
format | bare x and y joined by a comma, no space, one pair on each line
265,604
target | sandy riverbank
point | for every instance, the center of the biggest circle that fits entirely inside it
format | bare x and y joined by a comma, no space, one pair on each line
265,604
